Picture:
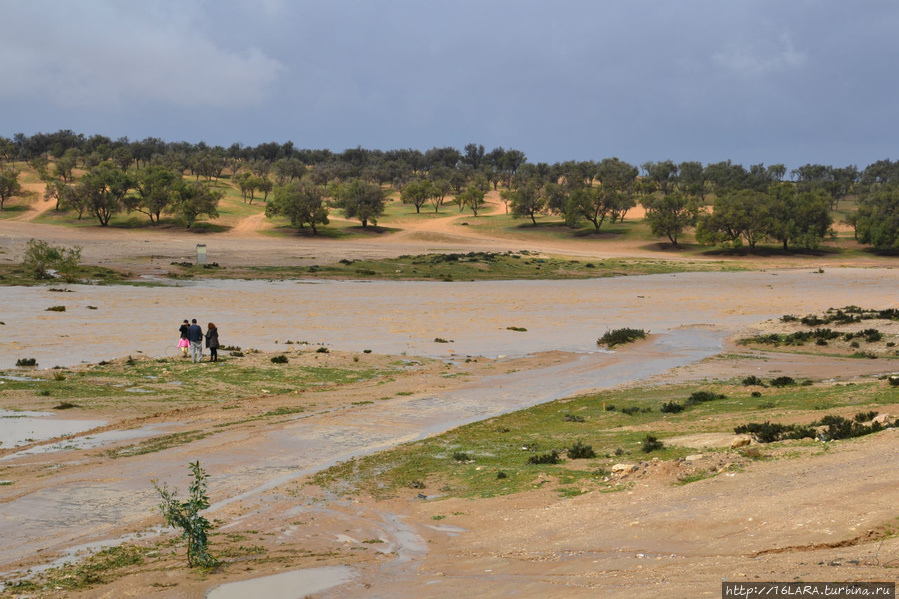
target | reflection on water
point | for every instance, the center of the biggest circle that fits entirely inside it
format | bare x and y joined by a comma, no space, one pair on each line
21,428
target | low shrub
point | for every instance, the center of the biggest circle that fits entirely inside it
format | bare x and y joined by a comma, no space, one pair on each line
322,350
26,362
650,444
756,394
573,418
580,451
753,381
282,359
769,432
672,407
56,309
618,336
461,456
698,397
545,458
501,475
783,381
865,416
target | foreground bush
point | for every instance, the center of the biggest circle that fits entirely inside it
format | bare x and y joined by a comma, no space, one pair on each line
186,516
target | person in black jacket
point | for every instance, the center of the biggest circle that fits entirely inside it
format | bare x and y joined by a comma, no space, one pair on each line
195,336
212,342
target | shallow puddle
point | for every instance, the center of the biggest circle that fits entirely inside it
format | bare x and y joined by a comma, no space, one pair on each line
21,428
290,585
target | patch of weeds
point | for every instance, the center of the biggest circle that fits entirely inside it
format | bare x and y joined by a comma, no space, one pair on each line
56,309
756,394
157,444
672,407
753,381
580,451
438,517
573,418
236,353
619,336
441,340
416,484
322,350
44,393
372,541
282,359
783,381
501,475
631,410
65,405
461,456
753,453
517,329
59,376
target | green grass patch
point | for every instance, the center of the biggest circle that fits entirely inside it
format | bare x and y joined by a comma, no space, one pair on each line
507,454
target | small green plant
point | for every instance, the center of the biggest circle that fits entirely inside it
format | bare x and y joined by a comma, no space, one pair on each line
461,456
440,340
59,376
236,354
282,359
56,309
517,329
650,444
186,516
618,336
756,394
580,451
65,405
501,475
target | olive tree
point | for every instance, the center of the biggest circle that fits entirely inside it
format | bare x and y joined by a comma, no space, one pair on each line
302,202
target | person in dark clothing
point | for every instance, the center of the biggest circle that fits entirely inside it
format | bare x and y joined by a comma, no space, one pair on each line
183,343
195,336
212,342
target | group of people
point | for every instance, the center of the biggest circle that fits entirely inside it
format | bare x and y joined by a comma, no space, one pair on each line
192,340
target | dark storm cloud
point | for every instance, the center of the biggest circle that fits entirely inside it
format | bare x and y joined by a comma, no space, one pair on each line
759,81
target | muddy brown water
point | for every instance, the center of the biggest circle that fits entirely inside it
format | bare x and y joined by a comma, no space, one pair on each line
692,314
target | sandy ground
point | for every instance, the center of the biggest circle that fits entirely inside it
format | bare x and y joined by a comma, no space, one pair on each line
815,518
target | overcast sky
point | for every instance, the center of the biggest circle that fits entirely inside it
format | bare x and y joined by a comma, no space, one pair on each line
768,81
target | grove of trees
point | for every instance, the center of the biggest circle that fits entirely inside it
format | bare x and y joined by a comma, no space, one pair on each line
724,203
